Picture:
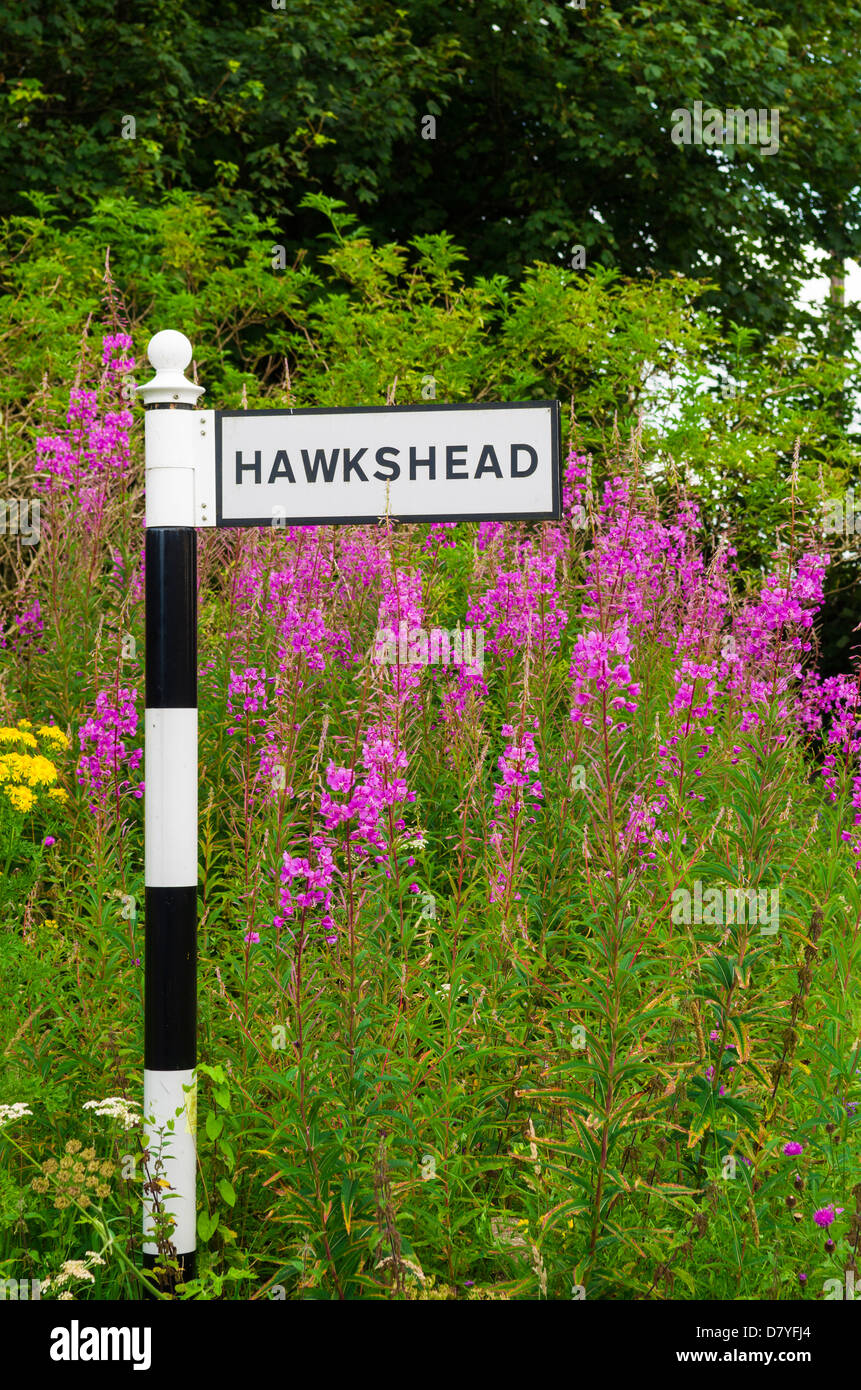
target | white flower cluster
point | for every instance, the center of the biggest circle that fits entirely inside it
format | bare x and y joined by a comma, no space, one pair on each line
8,1113
74,1269
419,842
115,1108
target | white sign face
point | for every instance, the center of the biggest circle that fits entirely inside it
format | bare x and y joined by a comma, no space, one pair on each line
412,462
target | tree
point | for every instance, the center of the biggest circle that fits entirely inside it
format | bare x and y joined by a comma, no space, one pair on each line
522,127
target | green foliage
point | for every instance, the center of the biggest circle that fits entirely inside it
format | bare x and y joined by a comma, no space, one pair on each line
553,127
359,323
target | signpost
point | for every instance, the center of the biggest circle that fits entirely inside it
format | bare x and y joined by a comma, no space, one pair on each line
269,468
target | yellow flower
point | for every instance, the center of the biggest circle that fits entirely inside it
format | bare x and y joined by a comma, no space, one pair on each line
34,770
55,734
40,771
58,794
25,723
49,922
21,797
17,736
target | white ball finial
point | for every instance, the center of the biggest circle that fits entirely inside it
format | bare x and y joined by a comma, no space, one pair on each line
170,353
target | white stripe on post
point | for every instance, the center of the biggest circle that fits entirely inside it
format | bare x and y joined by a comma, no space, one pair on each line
170,1137
170,812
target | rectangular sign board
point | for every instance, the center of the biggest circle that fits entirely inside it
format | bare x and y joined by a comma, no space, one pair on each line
491,462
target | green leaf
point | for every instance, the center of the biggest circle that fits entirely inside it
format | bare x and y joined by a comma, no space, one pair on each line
227,1192
206,1225
214,1125
228,1154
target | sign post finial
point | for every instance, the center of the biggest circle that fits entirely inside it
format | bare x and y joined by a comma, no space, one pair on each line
170,353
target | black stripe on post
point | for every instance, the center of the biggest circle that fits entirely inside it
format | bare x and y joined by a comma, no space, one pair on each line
170,995
171,617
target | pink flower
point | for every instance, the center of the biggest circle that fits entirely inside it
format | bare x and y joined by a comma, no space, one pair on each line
93,455
103,750
518,766
250,686
29,624
521,605
826,1215
595,676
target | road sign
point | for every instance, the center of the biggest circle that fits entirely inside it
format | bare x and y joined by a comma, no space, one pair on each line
412,462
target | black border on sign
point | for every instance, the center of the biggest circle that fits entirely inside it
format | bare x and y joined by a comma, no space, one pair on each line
555,463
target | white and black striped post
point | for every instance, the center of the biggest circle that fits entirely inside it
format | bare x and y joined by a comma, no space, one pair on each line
170,806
